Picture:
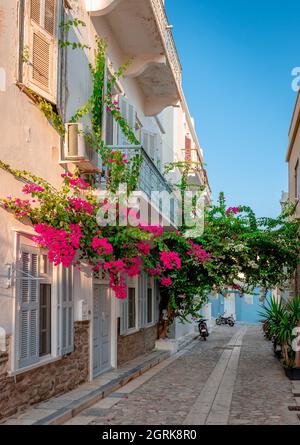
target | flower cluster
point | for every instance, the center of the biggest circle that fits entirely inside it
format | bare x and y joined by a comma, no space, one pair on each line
234,210
29,189
154,230
102,246
197,252
170,260
166,281
117,281
81,205
144,247
20,207
62,245
118,157
73,182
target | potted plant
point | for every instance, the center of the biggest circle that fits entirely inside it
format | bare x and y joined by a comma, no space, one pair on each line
281,319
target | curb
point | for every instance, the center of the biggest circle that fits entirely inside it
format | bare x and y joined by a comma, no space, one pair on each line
66,413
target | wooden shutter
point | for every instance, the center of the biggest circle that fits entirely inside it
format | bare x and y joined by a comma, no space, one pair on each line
40,37
188,149
142,299
67,316
35,11
28,308
50,16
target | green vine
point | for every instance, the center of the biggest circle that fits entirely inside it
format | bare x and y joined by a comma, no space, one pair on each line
72,23
50,112
99,99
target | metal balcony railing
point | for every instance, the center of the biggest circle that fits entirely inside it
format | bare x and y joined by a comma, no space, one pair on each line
167,38
151,180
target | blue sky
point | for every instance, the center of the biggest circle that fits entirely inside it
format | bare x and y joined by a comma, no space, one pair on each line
237,58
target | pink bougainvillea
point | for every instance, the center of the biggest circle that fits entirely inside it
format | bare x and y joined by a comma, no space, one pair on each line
61,245
144,247
166,281
170,260
133,266
20,207
197,252
156,271
234,210
102,246
28,189
74,182
81,205
154,230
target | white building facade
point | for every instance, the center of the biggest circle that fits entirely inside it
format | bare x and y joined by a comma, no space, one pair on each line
64,327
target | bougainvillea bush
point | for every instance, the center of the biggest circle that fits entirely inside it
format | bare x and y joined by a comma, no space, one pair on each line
236,249
65,224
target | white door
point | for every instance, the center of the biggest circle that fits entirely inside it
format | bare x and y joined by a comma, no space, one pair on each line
101,330
229,305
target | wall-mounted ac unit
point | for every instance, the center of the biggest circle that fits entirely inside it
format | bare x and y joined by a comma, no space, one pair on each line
77,149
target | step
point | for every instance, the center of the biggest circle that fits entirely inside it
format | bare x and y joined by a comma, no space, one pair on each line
61,409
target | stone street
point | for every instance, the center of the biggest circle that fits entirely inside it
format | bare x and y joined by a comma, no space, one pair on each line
231,379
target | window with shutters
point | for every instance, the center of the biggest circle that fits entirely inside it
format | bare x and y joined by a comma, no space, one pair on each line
131,308
34,306
40,39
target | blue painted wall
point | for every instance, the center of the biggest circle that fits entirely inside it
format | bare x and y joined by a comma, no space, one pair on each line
243,311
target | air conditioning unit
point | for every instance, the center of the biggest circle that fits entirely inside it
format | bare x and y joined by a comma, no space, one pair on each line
78,151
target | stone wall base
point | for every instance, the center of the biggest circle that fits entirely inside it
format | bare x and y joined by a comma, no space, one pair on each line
46,381
133,345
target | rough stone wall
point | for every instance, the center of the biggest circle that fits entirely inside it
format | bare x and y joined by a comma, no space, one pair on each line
46,381
133,345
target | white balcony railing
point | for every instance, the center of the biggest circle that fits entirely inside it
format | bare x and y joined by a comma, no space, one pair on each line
167,38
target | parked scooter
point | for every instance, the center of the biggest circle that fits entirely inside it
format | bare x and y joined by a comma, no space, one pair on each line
225,320
203,330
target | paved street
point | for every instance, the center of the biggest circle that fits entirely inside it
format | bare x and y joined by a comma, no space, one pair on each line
233,378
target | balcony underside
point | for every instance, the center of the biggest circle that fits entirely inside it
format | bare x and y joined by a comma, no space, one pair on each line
139,37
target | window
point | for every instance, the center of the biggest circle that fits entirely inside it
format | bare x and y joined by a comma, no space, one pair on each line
34,296
40,47
149,305
131,308
296,180
45,319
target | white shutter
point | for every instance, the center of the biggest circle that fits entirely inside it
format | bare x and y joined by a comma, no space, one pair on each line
142,299
67,311
28,306
128,112
40,37
124,313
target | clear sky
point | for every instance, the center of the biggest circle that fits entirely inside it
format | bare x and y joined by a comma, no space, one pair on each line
237,58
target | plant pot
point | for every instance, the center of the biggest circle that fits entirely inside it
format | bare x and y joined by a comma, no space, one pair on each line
292,373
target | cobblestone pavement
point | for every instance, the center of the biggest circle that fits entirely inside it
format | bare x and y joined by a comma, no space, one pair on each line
233,378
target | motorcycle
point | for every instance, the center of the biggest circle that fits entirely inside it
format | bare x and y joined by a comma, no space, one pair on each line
225,320
203,330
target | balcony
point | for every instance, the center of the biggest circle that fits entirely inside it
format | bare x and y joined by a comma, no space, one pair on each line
151,180
143,33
